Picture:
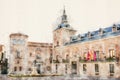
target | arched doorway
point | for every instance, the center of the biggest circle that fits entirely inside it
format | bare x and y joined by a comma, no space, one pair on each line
38,69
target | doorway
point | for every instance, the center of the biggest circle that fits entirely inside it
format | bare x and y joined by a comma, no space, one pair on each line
38,69
74,67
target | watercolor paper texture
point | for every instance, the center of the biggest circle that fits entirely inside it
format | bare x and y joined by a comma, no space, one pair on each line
59,39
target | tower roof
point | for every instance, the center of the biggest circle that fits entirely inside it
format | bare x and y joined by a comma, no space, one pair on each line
17,34
64,21
64,16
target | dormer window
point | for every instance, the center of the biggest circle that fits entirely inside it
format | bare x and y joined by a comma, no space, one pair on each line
100,31
71,39
114,28
89,35
79,37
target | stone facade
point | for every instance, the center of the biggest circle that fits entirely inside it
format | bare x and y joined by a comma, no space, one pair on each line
39,55
28,55
94,53
18,53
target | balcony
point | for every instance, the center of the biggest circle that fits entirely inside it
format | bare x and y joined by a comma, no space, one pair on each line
108,59
18,57
56,61
97,73
111,59
65,60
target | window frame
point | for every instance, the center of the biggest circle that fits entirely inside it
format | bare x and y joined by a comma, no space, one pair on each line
111,52
111,68
96,68
84,68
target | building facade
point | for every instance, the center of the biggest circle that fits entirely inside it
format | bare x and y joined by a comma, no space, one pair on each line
95,53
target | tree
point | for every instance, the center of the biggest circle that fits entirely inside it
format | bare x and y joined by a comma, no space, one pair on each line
4,66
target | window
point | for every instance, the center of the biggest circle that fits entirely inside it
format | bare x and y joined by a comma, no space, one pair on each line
97,55
18,54
84,68
111,67
51,54
79,58
50,58
111,53
18,62
15,68
114,28
56,68
57,60
85,56
57,43
30,54
66,68
96,68
67,58
89,35
20,68
100,31
29,69
38,56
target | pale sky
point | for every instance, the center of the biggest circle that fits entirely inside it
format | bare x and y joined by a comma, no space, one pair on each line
37,18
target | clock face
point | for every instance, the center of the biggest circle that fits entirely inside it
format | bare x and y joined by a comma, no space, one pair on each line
18,41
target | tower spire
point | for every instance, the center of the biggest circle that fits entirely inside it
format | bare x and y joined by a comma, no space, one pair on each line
64,12
64,21
64,16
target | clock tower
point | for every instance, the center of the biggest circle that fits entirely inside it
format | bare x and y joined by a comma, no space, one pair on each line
18,53
61,35
63,32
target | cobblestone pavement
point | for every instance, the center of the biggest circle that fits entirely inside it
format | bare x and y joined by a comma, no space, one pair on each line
4,77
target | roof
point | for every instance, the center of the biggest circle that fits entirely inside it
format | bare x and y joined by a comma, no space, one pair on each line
18,34
107,32
38,44
64,21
